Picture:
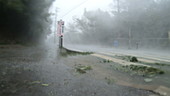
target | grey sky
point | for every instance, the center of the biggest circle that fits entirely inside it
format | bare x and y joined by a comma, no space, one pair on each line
66,5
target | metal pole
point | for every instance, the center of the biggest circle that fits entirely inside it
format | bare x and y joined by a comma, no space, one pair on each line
118,6
61,31
61,42
55,28
130,38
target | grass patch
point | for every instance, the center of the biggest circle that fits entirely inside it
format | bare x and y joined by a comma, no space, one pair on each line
82,68
157,64
140,70
109,80
106,61
143,70
66,52
161,64
128,58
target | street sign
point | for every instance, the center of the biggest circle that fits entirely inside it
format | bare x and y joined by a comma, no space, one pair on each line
60,31
60,28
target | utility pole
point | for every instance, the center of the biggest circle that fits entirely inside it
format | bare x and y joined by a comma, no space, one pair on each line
55,28
130,36
118,6
169,35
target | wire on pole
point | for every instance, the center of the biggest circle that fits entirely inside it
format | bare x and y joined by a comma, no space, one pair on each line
74,8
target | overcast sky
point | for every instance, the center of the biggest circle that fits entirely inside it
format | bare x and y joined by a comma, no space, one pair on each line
65,6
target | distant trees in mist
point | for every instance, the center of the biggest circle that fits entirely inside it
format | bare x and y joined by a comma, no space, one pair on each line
133,23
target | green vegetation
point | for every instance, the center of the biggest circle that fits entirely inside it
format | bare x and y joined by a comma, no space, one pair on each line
144,70
133,59
66,52
137,24
147,80
140,70
161,64
109,80
82,68
128,58
105,61
24,20
157,64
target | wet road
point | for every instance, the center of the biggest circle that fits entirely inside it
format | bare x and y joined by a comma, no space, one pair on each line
160,55
41,71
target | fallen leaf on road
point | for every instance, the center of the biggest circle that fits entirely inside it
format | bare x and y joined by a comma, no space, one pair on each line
148,80
46,85
82,69
36,82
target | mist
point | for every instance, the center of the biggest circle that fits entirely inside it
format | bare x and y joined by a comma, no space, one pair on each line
132,24
86,57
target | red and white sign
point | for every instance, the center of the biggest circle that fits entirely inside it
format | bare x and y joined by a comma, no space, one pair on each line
60,28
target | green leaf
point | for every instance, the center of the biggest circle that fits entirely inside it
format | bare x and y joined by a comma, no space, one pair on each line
46,85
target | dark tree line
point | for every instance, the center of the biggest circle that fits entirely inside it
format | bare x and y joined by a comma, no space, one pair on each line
132,22
24,20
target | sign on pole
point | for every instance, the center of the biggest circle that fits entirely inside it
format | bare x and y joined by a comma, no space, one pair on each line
60,28
60,31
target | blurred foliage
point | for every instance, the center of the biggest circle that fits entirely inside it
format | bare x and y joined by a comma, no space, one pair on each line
138,23
13,5
24,20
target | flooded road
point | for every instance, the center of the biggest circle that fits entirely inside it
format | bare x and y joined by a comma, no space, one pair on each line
41,71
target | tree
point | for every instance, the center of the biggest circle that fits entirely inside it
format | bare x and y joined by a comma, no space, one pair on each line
24,20
135,22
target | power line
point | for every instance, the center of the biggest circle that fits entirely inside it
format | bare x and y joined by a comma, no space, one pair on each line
74,8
